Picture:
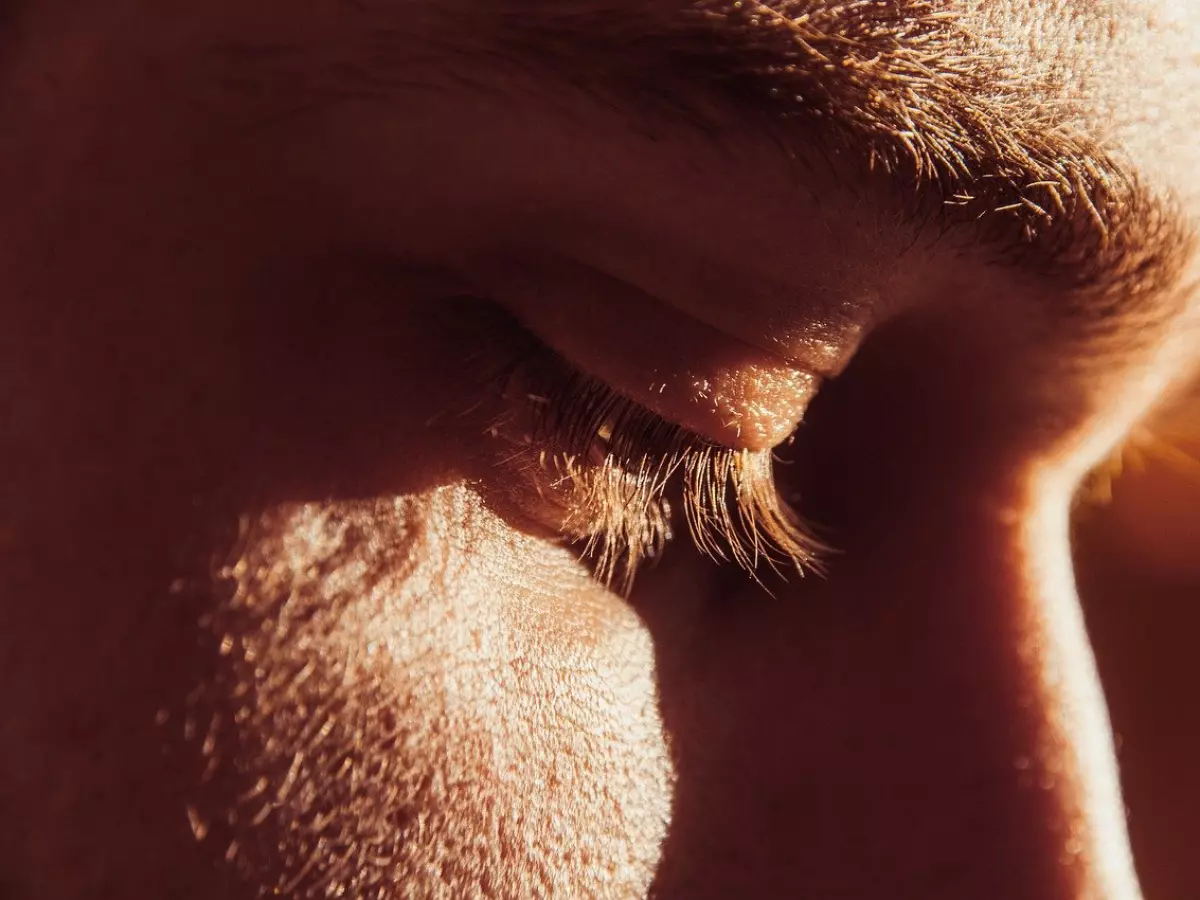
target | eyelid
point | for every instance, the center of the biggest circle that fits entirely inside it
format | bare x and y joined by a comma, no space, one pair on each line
691,374
611,468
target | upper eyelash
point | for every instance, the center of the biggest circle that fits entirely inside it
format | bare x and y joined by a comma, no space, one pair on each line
613,462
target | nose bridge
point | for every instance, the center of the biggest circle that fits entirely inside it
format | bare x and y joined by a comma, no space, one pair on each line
1005,706
1076,753
927,723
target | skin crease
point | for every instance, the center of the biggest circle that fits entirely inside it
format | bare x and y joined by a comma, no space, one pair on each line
264,584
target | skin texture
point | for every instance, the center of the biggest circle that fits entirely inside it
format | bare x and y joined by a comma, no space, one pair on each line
281,608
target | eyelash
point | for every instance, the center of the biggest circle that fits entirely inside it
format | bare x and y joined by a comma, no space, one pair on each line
609,466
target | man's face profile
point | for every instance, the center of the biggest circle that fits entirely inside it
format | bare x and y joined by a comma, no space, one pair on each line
589,449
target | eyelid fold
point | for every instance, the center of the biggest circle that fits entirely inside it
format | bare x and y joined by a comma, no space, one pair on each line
701,379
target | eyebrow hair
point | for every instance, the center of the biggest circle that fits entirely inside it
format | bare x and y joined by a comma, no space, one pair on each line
901,88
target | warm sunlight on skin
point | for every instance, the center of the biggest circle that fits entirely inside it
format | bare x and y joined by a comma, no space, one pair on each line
1156,499
405,496
1078,724
1139,579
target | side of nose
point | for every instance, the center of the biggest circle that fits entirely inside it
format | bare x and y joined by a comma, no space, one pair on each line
928,724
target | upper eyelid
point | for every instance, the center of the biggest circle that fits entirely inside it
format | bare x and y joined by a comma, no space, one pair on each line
730,501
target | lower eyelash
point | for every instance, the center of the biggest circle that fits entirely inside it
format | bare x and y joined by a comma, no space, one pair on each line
612,465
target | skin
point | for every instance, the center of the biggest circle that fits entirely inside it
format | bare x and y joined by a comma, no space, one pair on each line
278,615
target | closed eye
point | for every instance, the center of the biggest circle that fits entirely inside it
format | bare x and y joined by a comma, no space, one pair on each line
618,477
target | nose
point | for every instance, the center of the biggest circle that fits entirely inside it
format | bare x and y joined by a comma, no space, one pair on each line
934,728
925,723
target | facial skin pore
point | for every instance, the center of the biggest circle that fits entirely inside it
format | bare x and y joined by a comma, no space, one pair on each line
284,603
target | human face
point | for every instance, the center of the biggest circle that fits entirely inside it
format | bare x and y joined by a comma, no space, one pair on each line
333,334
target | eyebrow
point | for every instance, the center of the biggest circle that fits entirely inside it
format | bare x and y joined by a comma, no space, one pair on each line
901,89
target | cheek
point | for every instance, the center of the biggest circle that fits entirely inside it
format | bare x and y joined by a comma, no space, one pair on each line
400,698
